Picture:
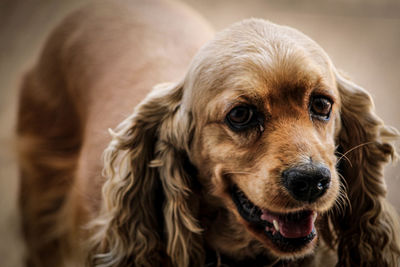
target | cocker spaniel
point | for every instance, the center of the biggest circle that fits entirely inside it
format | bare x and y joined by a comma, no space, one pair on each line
263,154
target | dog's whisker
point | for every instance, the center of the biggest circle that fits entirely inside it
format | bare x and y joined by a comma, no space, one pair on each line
340,204
342,201
345,157
353,148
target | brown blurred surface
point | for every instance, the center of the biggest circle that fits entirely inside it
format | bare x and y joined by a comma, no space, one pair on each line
361,36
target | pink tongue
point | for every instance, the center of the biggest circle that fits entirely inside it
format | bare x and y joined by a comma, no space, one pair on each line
301,227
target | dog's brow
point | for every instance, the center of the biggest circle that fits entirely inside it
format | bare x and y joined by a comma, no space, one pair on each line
323,89
238,96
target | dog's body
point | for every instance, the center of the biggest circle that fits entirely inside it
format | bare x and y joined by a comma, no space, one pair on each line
97,66
181,170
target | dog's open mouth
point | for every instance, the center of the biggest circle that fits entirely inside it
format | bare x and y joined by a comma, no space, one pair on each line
289,232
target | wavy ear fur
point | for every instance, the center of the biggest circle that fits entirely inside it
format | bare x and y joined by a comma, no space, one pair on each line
146,216
367,231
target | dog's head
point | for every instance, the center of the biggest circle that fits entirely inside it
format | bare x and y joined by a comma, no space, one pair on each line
267,111
283,146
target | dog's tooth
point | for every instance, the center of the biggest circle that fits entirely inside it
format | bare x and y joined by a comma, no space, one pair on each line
276,225
315,214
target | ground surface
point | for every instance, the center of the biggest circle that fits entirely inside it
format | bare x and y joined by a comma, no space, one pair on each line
361,36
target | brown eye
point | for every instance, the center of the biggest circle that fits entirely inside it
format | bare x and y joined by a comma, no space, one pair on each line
241,117
321,107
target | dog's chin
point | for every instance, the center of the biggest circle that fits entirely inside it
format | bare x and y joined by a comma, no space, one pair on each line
287,235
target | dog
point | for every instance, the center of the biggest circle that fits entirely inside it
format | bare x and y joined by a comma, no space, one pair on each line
256,151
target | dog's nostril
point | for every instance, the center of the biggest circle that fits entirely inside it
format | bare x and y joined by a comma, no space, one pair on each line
307,182
301,186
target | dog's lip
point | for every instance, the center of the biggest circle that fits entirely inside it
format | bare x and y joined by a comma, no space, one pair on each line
249,211
288,231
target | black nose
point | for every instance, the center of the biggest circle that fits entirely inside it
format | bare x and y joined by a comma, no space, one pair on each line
307,182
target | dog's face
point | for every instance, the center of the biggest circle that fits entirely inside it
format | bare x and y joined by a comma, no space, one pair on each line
260,114
266,109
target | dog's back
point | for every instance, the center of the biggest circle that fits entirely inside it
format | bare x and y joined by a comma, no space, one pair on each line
96,66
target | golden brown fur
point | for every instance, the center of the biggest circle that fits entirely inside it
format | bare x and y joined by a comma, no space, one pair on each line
165,195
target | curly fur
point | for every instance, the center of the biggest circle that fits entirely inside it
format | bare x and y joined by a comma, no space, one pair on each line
367,231
165,197
131,207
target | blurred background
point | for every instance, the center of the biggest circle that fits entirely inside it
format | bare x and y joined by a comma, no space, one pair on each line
361,36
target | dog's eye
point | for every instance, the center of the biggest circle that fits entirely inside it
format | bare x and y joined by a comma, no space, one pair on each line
241,117
321,107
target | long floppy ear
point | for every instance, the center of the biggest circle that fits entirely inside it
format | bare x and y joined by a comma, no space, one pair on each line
147,217
367,231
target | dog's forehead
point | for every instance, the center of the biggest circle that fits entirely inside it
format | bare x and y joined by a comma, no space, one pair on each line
257,55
